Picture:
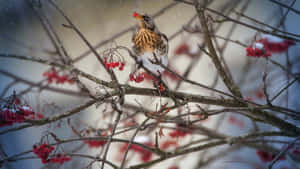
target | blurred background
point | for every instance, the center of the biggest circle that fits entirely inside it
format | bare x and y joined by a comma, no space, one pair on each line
108,23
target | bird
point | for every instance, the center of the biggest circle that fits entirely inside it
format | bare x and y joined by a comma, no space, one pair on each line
149,44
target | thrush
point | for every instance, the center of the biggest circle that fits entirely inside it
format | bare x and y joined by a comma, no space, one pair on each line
149,44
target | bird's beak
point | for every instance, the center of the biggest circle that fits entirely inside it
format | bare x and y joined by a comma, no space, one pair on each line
137,16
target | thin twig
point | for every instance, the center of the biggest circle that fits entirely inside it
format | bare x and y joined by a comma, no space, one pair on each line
286,6
282,152
131,140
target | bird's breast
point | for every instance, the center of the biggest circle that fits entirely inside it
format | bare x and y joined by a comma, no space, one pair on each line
146,41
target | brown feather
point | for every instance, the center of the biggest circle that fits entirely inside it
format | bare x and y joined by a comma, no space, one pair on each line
146,41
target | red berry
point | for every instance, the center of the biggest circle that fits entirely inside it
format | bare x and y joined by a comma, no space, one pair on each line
106,65
173,167
139,78
182,49
161,88
131,77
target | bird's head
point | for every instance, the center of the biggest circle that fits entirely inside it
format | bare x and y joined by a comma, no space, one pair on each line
144,21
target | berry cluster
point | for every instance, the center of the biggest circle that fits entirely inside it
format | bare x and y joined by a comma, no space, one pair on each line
16,114
235,121
268,45
185,49
257,52
145,155
43,152
137,78
178,133
148,77
112,65
168,143
52,75
14,111
182,49
275,45
95,143
59,158
173,167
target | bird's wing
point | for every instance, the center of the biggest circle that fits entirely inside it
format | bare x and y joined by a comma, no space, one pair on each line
162,49
165,41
